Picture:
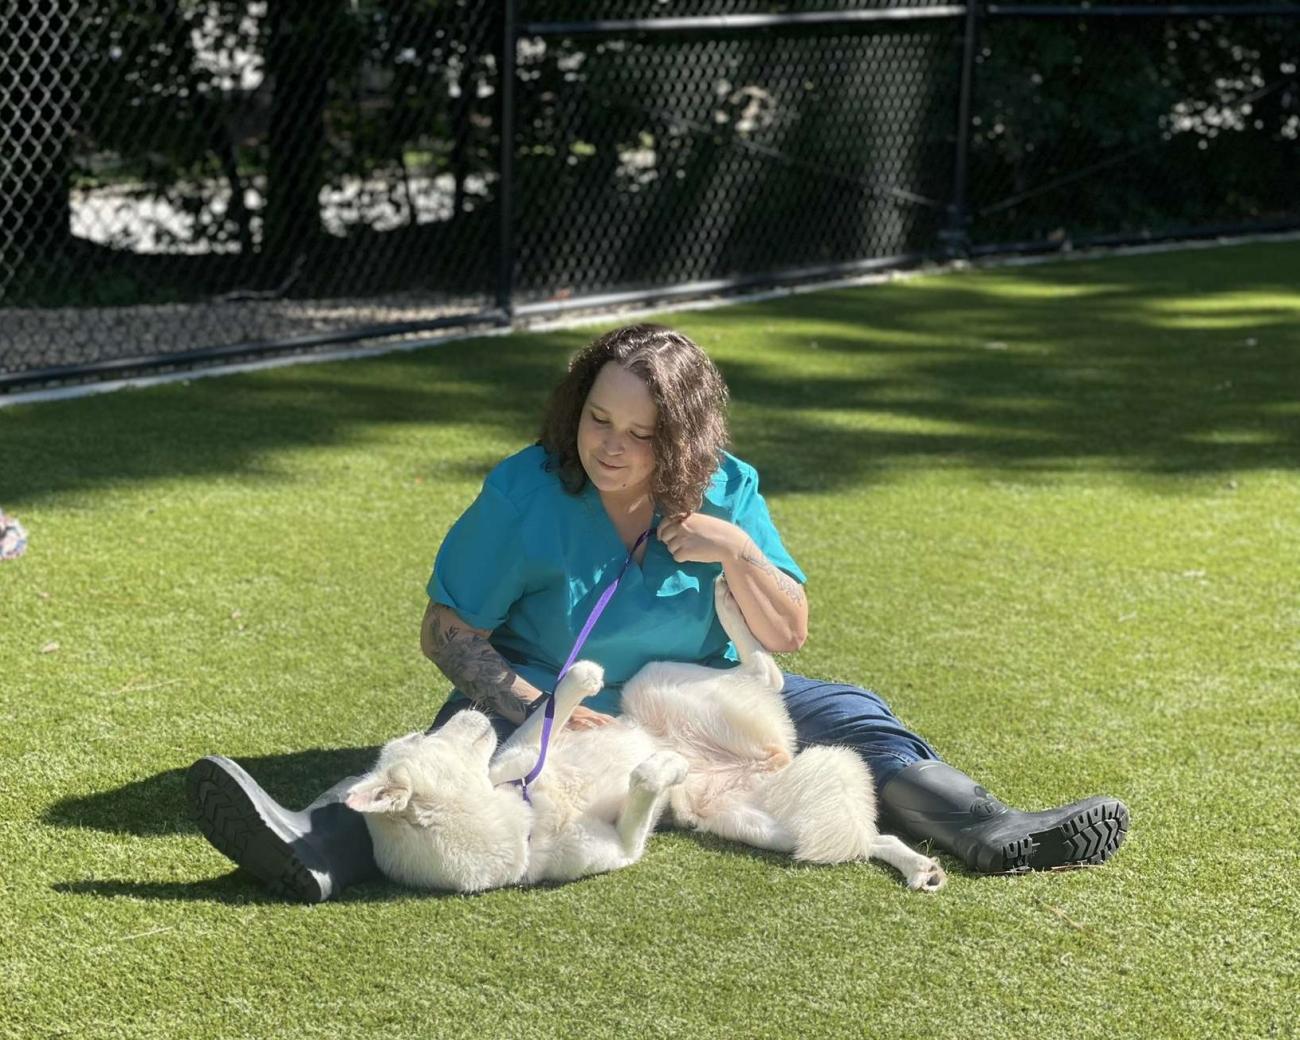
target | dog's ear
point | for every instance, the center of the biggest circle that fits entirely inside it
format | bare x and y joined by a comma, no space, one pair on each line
379,793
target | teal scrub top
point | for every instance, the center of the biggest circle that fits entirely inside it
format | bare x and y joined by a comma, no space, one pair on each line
528,561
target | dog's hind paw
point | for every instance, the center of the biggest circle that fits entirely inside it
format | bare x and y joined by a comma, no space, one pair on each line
928,878
660,771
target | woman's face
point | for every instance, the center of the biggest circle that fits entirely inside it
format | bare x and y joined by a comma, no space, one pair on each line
616,433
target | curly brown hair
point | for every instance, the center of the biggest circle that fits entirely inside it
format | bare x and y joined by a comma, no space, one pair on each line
689,392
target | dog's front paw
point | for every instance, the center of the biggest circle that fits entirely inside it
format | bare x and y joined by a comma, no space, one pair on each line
722,594
584,678
928,878
660,771
724,602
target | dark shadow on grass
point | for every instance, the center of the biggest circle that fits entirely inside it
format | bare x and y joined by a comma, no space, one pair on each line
1151,366
157,805
240,888
1144,365
236,888
220,427
713,843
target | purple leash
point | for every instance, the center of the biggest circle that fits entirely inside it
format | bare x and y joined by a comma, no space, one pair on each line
548,718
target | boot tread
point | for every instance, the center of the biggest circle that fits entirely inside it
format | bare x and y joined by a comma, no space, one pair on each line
229,818
1089,836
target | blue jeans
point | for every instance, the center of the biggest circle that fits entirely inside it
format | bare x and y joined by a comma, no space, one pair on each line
849,716
823,713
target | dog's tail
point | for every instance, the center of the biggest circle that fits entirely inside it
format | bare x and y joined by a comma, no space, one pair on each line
827,800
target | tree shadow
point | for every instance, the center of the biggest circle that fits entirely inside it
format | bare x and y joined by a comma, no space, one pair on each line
1152,366
234,424
1126,365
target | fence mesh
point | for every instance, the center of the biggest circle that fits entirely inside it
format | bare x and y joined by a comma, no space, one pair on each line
660,161
179,175
182,174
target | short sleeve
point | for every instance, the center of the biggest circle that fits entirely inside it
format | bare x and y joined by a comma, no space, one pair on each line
752,517
479,570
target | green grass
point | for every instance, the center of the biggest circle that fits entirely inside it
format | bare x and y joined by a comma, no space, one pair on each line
1052,513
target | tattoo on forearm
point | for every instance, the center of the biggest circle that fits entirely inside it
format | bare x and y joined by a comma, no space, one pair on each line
791,588
477,668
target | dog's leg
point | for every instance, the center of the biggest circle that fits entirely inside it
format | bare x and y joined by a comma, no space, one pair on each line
582,680
648,790
749,825
511,764
752,655
923,873
749,697
594,846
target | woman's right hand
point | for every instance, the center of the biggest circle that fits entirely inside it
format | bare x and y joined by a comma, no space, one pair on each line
585,718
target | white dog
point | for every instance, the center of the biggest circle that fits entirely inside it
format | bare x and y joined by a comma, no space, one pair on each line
716,746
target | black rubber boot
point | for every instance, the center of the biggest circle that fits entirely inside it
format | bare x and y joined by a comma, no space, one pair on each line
308,856
933,801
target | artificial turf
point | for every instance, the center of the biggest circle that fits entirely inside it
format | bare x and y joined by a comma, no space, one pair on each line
1051,512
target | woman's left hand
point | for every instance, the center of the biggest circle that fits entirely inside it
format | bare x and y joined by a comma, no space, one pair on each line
700,538
585,718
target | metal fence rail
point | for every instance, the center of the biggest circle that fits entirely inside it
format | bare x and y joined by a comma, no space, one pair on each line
188,180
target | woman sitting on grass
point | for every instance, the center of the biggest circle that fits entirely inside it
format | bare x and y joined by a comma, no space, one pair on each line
633,440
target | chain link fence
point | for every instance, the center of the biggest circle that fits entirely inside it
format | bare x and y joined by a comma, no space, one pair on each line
184,180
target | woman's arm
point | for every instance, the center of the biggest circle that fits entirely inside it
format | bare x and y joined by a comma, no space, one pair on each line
773,603
464,655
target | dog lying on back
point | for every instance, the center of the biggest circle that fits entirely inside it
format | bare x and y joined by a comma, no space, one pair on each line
715,747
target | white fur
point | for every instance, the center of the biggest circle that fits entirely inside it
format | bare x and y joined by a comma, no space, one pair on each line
716,745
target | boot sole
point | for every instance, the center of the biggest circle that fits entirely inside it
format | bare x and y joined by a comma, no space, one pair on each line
227,813
1086,838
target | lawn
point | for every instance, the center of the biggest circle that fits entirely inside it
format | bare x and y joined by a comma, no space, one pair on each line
1052,513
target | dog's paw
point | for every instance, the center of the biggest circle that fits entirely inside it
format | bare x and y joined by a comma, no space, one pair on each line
724,600
928,878
511,764
659,772
584,678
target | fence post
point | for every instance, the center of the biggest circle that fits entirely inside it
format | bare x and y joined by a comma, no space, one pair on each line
506,169
956,236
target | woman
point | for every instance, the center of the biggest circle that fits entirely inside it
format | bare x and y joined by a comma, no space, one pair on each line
633,442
